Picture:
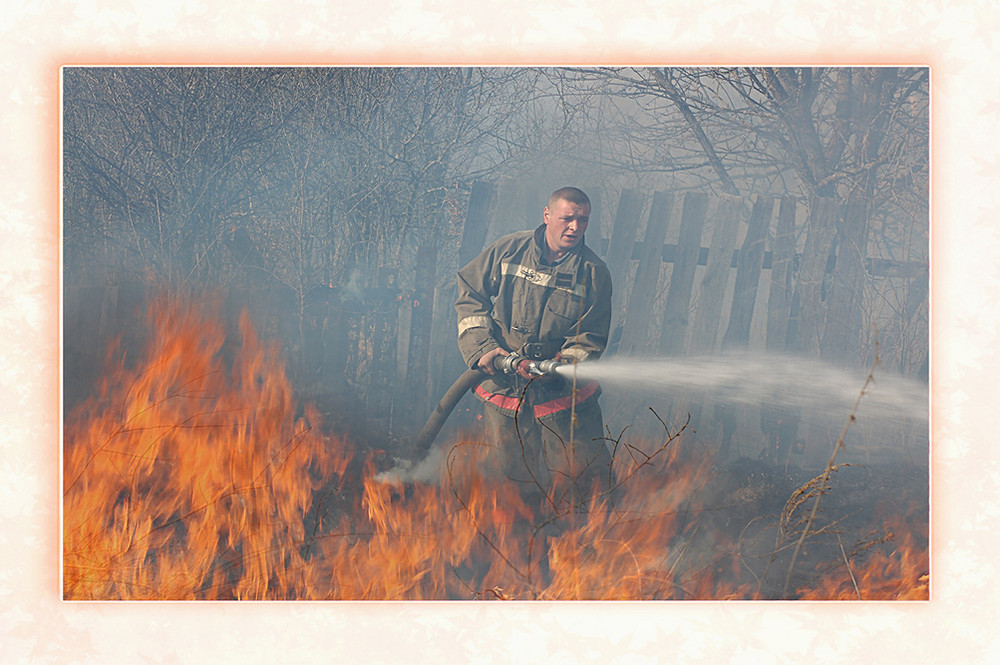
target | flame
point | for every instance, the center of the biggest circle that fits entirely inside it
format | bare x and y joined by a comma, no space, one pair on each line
900,574
193,474
185,478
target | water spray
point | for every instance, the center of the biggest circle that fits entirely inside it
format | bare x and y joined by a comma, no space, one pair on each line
754,378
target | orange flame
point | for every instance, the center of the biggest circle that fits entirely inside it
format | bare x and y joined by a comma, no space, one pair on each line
901,574
187,479
190,476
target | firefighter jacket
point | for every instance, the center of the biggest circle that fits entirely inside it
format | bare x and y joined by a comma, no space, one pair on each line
509,297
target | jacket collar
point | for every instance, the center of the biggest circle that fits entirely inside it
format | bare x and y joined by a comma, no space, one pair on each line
538,247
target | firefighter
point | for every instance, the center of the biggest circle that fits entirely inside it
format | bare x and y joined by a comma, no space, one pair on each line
542,294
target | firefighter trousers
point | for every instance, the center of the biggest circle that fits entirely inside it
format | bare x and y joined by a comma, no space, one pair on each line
561,459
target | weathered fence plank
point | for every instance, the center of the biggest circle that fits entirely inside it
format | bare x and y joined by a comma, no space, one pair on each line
678,308
718,265
515,208
809,286
779,300
620,246
846,284
622,238
596,222
748,270
636,334
481,200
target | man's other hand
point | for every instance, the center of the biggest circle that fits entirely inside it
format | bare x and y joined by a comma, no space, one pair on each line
486,360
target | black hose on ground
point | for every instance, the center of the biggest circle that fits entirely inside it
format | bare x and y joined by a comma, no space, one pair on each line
462,385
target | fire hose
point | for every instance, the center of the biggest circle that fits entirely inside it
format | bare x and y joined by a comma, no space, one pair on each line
470,378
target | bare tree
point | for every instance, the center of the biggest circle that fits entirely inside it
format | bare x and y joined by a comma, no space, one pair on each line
164,155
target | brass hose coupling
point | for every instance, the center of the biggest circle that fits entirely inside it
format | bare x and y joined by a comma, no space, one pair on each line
509,364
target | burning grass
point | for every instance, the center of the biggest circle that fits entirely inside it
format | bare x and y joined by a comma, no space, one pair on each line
193,474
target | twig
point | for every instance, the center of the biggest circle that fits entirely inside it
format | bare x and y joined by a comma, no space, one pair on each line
847,562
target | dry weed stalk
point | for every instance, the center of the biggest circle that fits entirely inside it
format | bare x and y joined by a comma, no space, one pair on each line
847,562
830,468
817,487
813,490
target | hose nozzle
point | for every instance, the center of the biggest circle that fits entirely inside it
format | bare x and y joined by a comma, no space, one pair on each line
545,366
509,364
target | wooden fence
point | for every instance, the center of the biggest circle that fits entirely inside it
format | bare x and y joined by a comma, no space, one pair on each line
693,275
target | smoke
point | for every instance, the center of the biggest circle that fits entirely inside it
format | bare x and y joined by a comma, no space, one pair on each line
427,470
352,290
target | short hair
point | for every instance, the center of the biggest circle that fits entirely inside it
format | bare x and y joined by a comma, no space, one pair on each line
571,194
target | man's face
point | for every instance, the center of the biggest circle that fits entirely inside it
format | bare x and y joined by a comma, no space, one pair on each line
565,224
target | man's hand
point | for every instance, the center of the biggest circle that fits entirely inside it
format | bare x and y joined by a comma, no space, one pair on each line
486,361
